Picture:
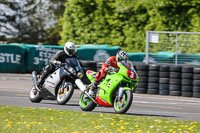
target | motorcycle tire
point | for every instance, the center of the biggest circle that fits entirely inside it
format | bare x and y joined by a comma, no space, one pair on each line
64,97
34,96
86,104
128,101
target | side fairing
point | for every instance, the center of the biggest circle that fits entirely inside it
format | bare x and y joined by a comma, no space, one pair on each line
54,79
108,86
91,75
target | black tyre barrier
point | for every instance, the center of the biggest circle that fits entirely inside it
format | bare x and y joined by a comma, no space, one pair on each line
164,74
175,93
187,94
99,64
187,88
187,76
153,91
164,92
143,79
187,82
154,67
153,80
196,76
164,68
143,67
187,69
196,94
175,87
153,74
196,82
175,68
153,86
88,63
141,90
142,73
163,86
175,75
196,70
164,80
196,89
174,81
90,68
142,85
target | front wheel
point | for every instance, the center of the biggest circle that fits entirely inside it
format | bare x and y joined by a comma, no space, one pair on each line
64,94
34,96
86,104
122,105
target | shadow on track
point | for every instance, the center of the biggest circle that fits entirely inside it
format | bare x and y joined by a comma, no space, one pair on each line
67,104
136,114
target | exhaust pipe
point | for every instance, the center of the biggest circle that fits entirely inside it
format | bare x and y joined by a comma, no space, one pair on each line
34,78
80,85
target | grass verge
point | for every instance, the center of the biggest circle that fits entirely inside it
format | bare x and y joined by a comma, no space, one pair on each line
26,120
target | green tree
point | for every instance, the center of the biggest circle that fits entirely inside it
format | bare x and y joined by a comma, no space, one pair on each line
125,22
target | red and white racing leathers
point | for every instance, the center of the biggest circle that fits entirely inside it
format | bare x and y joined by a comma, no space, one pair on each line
111,61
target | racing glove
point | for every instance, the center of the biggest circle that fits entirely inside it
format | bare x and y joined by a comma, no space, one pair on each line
57,62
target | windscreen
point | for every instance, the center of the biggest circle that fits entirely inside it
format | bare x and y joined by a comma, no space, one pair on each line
127,64
74,63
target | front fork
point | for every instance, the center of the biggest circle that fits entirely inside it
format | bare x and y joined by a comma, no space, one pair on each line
34,75
83,88
121,92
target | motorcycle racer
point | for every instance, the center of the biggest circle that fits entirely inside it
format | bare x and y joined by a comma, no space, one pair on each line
60,57
111,61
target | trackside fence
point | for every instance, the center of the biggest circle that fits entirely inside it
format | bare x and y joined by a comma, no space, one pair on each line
175,47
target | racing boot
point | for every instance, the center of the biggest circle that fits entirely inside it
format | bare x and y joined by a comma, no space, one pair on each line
93,88
38,85
40,82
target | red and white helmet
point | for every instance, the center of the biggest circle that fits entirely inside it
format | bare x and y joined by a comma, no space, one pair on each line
121,55
70,48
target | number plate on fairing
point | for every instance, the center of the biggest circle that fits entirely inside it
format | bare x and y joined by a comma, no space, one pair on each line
131,74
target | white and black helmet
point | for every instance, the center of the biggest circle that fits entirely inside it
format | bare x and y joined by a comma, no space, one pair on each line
121,55
70,48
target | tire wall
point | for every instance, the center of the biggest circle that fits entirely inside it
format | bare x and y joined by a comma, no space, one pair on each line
170,80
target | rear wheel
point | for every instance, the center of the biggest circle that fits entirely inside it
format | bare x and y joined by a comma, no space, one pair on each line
121,106
86,104
64,94
34,96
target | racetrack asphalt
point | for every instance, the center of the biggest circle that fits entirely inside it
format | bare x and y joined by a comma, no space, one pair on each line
14,91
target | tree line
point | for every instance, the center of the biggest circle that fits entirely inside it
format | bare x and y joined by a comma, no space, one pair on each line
115,22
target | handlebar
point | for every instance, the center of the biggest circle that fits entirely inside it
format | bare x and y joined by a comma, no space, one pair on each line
62,64
111,70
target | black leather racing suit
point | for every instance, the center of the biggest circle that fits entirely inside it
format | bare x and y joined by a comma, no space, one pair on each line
59,56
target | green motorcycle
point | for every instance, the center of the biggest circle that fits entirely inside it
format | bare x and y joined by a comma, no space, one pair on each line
115,90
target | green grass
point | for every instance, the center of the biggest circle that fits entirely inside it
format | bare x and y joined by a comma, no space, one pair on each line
35,120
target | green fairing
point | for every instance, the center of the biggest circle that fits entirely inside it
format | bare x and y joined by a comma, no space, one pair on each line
90,76
108,86
112,81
